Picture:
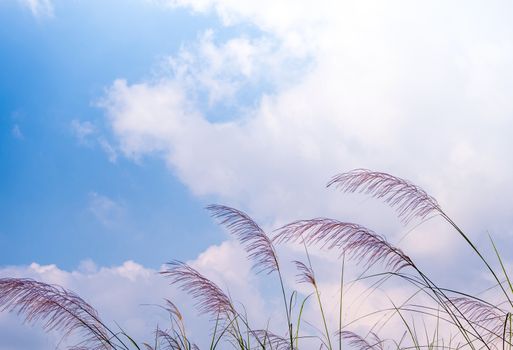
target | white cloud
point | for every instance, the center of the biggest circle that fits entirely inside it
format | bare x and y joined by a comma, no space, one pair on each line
89,135
221,71
82,130
16,132
128,294
110,151
118,293
416,89
39,8
107,211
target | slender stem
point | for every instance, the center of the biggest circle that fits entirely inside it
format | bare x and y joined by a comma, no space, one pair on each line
318,298
465,237
323,317
504,332
341,299
510,335
215,332
439,293
289,324
502,265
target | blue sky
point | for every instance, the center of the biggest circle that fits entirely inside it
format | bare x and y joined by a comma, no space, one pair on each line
55,71
121,120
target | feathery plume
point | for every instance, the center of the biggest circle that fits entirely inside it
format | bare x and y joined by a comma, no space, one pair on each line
409,200
210,299
357,242
276,341
480,314
256,243
57,308
173,310
306,274
360,343
168,342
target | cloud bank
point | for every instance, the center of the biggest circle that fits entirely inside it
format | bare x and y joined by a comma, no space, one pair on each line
128,296
420,90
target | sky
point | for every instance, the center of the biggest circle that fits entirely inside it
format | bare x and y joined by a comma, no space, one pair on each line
121,120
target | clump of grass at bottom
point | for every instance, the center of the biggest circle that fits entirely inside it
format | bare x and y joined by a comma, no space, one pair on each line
430,317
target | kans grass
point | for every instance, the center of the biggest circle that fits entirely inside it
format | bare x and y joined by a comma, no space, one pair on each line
450,319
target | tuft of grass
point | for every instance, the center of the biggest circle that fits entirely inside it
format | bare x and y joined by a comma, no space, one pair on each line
450,319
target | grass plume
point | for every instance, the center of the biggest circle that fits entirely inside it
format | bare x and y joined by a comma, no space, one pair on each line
57,309
409,200
210,299
252,237
355,241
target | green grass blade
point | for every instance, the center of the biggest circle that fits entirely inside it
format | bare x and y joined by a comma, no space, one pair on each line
502,264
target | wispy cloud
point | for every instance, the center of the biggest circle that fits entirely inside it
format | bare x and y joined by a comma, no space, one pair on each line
82,130
109,150
89,135
107,211
16,132
222,71
39,8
